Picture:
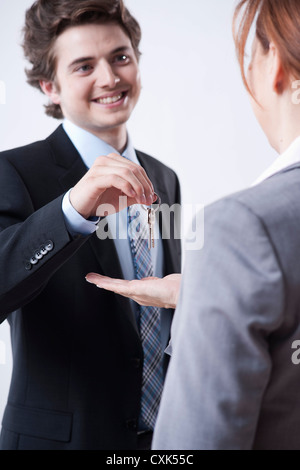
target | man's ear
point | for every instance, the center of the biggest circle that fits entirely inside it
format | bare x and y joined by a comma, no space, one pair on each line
51,90
279,79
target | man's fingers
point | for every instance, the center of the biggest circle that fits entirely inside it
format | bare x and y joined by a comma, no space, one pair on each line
110,177
129,182
129,168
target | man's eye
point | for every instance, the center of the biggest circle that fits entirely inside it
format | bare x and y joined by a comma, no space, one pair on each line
122,58
84,68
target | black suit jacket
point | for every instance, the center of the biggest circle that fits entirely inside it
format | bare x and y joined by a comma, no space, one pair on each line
77,355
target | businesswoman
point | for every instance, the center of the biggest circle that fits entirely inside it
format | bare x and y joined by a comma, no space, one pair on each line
233,381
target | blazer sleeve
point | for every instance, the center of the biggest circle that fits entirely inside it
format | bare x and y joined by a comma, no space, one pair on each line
231,299
28,234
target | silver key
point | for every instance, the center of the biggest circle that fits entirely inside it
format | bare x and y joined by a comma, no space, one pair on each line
151,222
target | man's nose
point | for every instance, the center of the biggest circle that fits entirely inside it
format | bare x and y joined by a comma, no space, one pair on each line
106,77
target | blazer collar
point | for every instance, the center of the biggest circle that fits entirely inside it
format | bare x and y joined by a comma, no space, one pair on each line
154,173
66,156
288,168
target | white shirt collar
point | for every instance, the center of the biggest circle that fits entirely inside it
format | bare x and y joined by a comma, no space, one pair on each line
90,147
289,157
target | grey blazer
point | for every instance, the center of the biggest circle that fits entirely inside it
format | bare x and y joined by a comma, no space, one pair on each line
232,383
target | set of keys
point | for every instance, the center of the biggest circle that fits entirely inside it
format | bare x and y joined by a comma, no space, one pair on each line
151,222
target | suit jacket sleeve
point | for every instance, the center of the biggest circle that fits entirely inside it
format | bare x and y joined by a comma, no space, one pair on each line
23,231
231,300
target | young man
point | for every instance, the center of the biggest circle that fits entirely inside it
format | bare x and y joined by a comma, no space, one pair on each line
78,377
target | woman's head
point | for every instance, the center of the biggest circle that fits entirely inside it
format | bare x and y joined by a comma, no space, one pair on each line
277,22
274,65
47,20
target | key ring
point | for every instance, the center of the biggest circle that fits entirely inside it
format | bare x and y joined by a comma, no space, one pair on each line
157,202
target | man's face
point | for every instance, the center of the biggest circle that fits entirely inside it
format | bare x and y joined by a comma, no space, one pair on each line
97,80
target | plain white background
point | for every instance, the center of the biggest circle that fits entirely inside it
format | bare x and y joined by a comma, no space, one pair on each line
193,114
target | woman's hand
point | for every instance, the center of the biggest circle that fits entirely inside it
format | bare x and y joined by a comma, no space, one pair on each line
150,291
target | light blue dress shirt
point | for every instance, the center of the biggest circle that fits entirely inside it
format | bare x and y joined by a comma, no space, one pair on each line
90,147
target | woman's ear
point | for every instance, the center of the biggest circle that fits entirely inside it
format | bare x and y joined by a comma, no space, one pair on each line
279,81
51,90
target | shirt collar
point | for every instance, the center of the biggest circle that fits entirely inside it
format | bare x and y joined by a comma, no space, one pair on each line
289,157
90,147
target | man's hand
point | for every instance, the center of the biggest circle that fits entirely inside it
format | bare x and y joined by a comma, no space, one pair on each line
150,291
109,178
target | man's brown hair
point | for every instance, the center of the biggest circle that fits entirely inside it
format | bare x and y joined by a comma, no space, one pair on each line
47,19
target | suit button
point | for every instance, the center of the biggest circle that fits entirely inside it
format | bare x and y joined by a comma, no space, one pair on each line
49,245
43,250
28,266
131,424
33,260
38,255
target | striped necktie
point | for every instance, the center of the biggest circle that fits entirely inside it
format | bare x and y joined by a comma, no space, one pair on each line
149,319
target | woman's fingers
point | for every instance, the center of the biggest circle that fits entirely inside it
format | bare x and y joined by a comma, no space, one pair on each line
150,291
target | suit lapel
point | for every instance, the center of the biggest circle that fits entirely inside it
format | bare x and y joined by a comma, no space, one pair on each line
67,158
152,171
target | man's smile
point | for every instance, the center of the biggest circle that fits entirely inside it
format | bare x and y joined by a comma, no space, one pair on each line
111,98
